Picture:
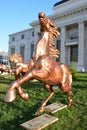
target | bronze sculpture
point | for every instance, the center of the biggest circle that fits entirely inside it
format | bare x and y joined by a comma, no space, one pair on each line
5,68
43,67
17,65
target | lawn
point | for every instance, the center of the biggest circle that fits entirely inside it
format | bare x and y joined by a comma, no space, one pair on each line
14,113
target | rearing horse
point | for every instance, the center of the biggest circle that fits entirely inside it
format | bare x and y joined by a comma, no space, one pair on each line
44,68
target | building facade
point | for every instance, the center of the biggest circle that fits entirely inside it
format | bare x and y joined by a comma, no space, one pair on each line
70,16
3,57
22,43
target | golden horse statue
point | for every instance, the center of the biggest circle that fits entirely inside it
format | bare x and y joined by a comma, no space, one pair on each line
5,68
17,64
43,67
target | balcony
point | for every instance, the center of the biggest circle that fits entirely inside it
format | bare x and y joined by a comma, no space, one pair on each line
73,41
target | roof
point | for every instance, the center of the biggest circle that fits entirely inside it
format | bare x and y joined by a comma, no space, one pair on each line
60,2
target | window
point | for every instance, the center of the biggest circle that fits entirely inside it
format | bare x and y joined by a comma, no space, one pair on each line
74,54
58,47
13,38
12,50
39,34
22,36
22,48
33,33
32,50
1,59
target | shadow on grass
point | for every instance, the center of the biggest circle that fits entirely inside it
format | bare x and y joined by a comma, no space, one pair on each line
22,115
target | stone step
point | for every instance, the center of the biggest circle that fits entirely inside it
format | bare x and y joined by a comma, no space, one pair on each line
54,107
38,123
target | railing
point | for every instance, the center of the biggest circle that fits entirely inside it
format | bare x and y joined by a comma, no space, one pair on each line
71,41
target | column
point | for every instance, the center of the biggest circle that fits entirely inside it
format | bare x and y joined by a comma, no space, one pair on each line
62,45
81,46
26,53
17,48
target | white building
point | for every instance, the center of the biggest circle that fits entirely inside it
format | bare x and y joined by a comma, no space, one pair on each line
22,43
3,57
70,16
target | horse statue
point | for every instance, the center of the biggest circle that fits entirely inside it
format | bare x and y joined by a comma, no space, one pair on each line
5,68
17,65
44,68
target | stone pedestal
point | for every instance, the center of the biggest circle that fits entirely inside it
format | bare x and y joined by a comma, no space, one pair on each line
54,107
39,122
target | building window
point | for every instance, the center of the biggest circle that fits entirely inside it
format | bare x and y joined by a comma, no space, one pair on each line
74,53
32,50
39,34
22,48
33,33
22,36
13,38
1,58
58,47
12,50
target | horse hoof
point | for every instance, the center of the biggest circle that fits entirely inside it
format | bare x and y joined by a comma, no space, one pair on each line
10,96
24,96
70,103
39,111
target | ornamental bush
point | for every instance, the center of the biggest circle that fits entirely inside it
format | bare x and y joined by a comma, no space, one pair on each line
73,71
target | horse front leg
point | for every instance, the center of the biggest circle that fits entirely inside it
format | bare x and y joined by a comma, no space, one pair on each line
15,88
23,68
42,107
17,72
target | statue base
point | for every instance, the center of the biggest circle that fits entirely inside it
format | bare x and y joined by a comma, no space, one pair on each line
39,122
44,120
54,107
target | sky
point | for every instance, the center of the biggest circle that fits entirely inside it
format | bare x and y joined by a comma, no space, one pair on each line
17,14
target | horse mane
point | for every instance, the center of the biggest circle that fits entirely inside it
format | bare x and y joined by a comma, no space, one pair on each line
46,25
54,53
16,58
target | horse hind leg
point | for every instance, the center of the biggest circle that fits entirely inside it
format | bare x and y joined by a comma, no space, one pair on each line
42,107
66,88
69,99
69,91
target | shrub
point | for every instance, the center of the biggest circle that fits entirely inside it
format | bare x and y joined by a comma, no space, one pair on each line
73,71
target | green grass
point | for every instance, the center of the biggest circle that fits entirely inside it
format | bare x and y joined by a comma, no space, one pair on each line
14,113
